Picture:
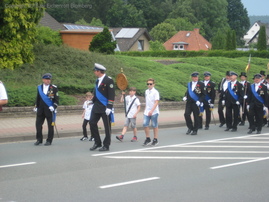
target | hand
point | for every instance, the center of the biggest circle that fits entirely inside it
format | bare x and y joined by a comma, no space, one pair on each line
209,101
198,103
223,102
184,99
108,111
248,107
35,109
237,102
245,96
211,105
264,108
51,108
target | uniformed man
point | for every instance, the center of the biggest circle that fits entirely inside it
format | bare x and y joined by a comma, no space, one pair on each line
47,101
209,98
194,96
233,98
257,102
103,101
221,89
263,81
246,85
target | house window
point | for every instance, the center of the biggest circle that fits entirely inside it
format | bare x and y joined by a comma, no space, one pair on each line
141,45
178,47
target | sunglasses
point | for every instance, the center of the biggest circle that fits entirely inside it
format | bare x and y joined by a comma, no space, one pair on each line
150,84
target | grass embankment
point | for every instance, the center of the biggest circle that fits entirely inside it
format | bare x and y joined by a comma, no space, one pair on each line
72,73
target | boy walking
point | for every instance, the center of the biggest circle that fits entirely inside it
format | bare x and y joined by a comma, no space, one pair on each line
86,115
132,107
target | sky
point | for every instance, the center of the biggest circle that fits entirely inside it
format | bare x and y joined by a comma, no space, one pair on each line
256,7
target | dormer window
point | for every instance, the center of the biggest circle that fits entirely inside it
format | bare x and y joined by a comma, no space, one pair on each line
180,46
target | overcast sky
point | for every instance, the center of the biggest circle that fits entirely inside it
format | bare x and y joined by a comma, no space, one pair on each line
256,7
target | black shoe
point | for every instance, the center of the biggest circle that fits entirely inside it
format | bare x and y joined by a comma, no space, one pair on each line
94,147
258,132
104,148
201,127
250,131
194,133
91,139
233,130
222,124
47,143
227,129
188,132
242,123
38,142
206,128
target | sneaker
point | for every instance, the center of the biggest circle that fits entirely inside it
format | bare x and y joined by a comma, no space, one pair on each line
84,138
154,142
147,142
134,139
91,139
120,137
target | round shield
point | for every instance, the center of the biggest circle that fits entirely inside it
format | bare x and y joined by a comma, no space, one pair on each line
122,82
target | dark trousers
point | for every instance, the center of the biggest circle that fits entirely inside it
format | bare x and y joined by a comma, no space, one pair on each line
84,127
95,117
207,115
256,118
244,113
221,112
192,108
232,115
41,115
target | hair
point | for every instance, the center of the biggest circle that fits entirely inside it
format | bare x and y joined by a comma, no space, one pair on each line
132,89
88,94
151,79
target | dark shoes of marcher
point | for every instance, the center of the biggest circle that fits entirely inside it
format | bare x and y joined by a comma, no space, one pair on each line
194,133
38,142
47,143
104,149
94,147
188,132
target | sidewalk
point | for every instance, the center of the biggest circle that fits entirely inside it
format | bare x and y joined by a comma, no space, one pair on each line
23,128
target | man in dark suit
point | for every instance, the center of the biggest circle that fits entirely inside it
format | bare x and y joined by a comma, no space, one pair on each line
246,85
47,100
257,102
263,81
209,98
103,100
233,98
194,96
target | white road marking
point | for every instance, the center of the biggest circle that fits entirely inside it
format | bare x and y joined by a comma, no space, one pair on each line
245,142
19,164
176,157
228,146
196,151
239,163
129,182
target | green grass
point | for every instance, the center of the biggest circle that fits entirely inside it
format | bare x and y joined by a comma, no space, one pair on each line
72,72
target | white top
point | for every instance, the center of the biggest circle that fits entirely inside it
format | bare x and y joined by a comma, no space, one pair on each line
45,89
88,110
133,109
151,96
225,85
3,93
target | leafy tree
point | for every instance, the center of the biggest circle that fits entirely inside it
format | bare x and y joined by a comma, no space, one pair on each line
18,30
230,40
46,35
102,42
238,19
219,40
96,22
156,46
82,22
162,32
262,39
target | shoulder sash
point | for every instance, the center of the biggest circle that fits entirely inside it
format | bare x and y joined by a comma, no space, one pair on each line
257,96
231,92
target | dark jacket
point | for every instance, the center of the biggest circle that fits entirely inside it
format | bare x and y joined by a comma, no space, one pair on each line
253,101
210,91
52,94
199,90
237,89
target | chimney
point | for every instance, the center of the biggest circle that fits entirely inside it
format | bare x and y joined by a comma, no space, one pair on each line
196,30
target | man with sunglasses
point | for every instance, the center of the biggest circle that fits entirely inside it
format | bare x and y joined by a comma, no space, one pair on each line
151,112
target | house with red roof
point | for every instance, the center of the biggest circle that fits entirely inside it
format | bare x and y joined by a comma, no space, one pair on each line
187,40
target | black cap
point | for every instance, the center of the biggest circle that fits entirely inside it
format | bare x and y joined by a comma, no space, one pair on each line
47,76
258,76
228,73
233,73
262,72
195,74
243,74
207,74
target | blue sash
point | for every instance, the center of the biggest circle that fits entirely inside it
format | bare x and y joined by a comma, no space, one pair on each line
47,101
207,97
256,94
195,98
104,101
231,92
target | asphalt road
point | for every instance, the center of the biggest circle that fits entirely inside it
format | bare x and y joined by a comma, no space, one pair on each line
212,166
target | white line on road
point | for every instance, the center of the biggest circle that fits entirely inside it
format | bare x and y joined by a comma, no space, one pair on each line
129,182
239,163
247,142
197,151
228,146
177,157
19,164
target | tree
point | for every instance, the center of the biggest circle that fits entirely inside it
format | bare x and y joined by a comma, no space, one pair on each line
219,40
96,22
82,22
162,32
46,35
230,40
262,39
156,46
102,43
238,19
18,23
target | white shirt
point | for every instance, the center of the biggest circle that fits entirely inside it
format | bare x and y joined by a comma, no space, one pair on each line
133,109
232,84
101,79
88,110
225,85
45,89
3,93
151,96
206,82
257,86
193,85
